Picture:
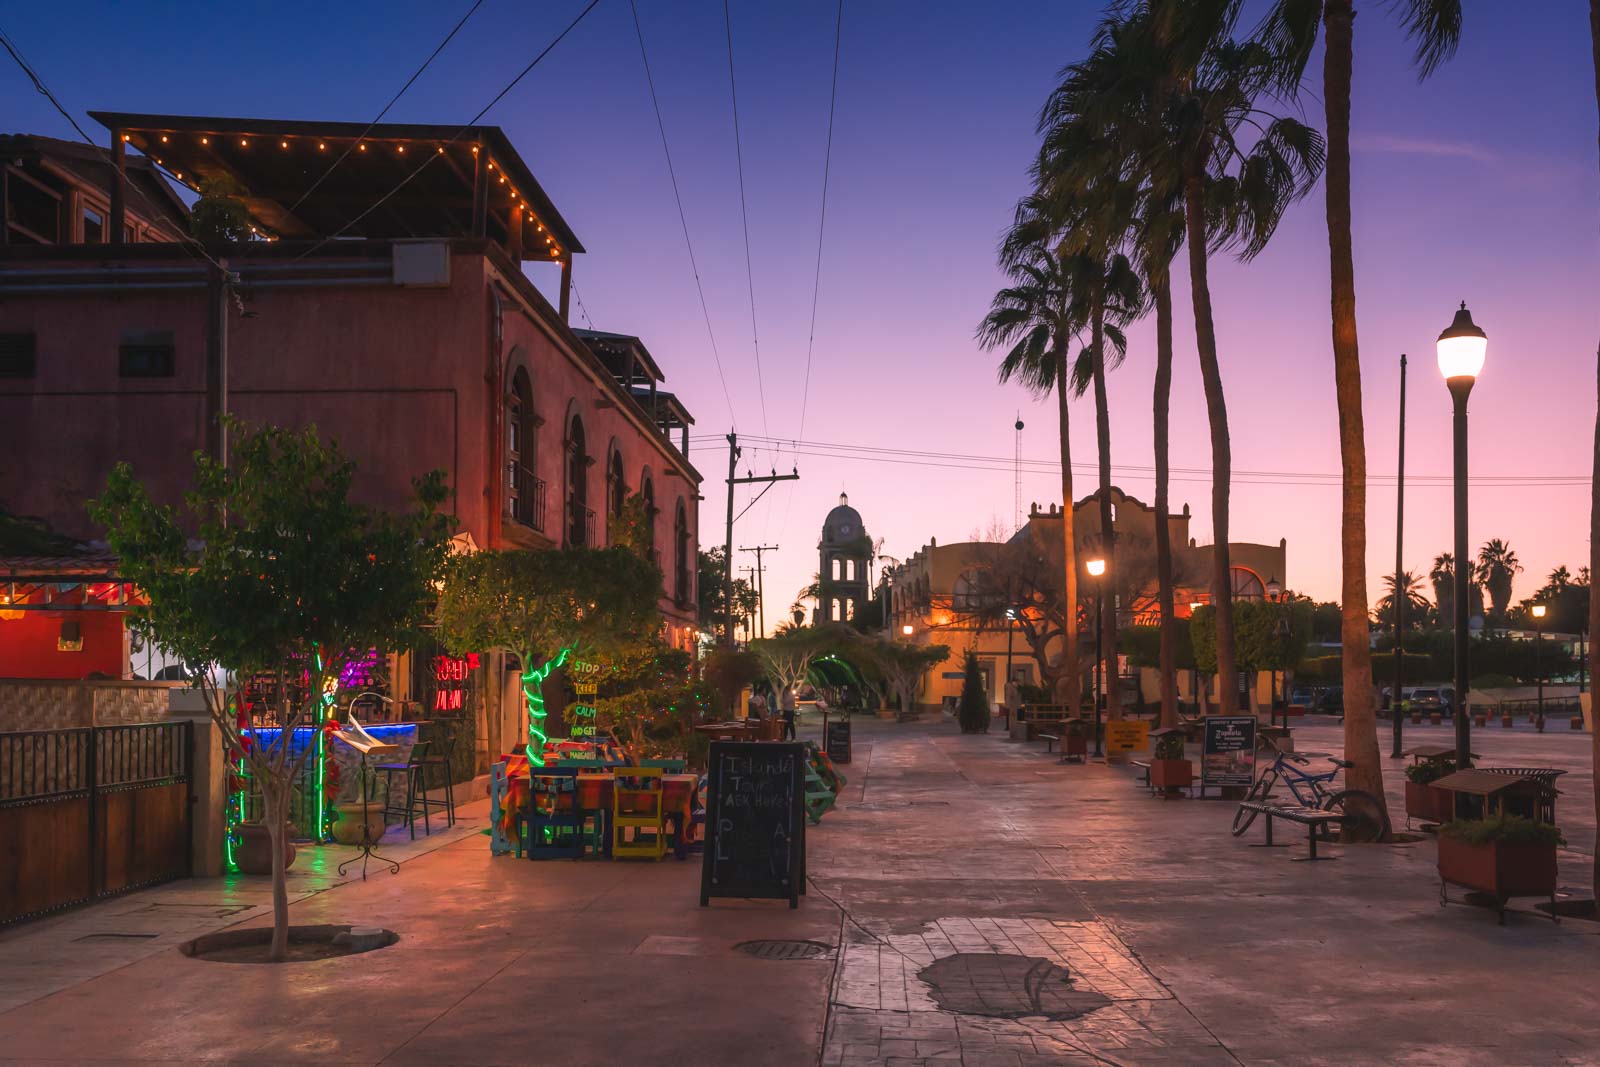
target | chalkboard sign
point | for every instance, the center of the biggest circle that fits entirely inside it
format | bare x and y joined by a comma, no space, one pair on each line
837,741
755,825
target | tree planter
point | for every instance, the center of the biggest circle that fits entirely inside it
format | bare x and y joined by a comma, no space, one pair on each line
1506,721
1577,722
1436,718
1426,803
254,854
1416,718
1480,720
1077,745
1171,774
1497,869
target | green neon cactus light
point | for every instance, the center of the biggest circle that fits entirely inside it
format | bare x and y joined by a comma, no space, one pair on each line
533,693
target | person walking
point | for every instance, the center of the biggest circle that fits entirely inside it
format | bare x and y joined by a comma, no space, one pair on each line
787,703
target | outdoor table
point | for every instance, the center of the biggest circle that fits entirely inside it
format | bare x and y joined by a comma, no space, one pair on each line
594,794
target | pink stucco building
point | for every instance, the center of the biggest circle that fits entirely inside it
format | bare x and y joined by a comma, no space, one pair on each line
386,303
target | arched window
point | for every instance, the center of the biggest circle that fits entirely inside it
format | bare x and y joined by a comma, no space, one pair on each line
647,489
680,555
524,490
616,493
1247,584
579,517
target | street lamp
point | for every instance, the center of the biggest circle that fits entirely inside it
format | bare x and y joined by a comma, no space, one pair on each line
1538,667
907,629
1097,569
1461,351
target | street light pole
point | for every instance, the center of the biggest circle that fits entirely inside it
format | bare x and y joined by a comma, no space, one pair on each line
1097,569
1461,349
1538,665
1400,595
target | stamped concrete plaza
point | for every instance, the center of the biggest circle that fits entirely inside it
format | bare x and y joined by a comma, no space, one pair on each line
982,903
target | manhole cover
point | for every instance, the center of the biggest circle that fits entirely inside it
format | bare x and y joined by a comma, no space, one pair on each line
113,937
1007,987
785,950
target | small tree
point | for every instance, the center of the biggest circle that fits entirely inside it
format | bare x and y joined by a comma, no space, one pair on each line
786,657
905,664
544,607
271,569
728,670
221,215
973,711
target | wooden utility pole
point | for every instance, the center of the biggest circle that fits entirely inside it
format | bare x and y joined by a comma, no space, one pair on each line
761,595
727,549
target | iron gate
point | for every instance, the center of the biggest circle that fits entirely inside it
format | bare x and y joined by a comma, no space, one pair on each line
92,811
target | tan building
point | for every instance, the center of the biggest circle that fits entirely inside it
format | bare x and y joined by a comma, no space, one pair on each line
959,595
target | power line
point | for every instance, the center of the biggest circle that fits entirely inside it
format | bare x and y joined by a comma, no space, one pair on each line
822,220
683,219
187,242
428,160
392,101
744,214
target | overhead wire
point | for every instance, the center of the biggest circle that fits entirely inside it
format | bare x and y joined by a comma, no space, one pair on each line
744,215
392,101
683,218
453,138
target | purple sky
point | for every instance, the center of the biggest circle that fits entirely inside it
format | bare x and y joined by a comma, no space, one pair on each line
1480,184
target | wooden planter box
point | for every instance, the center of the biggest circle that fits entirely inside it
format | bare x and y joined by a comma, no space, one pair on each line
1480,720
1577,722
1436,718
1416,718
1171,774
1507,721
1426,803
1498,869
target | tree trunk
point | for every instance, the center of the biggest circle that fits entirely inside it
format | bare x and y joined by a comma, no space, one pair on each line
1360,720
1205,336
1108,533
1068,689
275,801
1594,506
1161,289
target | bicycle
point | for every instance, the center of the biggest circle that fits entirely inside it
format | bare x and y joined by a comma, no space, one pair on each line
1365,819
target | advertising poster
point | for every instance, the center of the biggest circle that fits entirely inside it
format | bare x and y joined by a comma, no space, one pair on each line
1230,751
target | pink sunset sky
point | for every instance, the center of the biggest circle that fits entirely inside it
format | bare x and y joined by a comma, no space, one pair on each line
1479,185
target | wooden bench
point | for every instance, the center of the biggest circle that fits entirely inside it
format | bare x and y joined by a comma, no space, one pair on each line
1314,819
1049,741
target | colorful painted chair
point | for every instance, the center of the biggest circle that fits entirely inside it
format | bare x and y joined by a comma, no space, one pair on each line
554,824
636,805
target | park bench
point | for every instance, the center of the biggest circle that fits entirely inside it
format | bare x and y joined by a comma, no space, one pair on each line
1144,767
1314,819
1049,741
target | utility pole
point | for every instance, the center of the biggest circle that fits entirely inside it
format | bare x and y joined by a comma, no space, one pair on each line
750,615
1400,594
727,549
760,569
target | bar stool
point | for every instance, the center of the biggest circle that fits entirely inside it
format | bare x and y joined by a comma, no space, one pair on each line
411,773
450,728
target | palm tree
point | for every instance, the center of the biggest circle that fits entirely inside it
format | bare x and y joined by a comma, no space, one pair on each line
1417,606
1039,318
1443,578
1559,579
1497,566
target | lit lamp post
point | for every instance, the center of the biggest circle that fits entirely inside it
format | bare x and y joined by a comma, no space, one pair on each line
1097,569
1461,351
908,629
1280,630
1538,666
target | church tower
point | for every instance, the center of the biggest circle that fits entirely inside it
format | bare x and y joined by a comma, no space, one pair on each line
844,554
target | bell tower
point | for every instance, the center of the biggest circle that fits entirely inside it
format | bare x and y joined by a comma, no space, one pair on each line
844,554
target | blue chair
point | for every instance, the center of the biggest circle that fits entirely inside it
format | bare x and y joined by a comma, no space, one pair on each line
554,825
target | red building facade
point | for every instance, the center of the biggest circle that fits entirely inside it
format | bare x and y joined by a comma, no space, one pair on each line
414,338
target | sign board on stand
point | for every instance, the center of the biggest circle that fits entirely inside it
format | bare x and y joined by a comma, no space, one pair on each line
837,740
1126,735
1229,755
755,821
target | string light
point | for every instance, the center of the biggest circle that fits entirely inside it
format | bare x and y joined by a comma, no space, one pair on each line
533,694
402,149
243,143
283,144
362,147
163,138
205,140
125,138
321,147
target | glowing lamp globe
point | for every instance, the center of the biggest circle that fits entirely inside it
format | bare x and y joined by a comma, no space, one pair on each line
1095,567
1538,611
1462,348
907,629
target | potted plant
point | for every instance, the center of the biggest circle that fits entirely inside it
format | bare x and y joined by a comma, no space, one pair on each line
1423,801
1502,856
254,852
1169,770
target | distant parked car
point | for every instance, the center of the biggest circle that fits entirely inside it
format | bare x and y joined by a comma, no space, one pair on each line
1428,700
1331,701
1302,696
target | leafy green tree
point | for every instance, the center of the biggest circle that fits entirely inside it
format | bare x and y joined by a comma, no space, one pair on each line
729,670
545,607
972,712
898,667
786,657
270,568
712,589
221,216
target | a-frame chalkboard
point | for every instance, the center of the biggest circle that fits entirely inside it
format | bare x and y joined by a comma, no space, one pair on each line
755,822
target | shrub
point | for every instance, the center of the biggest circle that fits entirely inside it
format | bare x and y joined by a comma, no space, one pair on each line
1510,829
1428,771
973,710
1170,746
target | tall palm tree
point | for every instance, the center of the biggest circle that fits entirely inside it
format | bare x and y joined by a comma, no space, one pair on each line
1559,579
1443,578
1497,566
1039,317
1291,29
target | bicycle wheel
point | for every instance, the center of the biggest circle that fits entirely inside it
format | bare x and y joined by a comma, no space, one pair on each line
1365,818
1244,816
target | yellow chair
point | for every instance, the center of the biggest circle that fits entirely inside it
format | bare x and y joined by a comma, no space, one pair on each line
636,804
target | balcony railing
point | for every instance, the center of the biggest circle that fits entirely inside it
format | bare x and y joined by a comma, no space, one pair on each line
580,525
527,502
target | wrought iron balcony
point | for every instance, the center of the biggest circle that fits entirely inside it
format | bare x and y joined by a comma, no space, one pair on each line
527,500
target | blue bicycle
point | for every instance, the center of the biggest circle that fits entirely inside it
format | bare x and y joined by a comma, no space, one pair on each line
1365,818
